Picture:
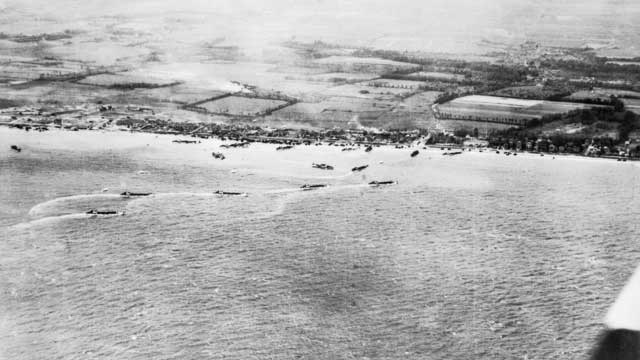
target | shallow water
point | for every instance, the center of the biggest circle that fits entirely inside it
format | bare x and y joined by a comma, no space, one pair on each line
474,256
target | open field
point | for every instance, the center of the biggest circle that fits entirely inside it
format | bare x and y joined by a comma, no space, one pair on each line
125,79
238,105
333,77
179,94
603,93
435,75
367,65
395,84
493,108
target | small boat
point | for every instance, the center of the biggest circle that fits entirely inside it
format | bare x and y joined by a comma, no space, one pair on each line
185,141
285,147
307,187
497,152
378,183
106,212
218,155
128,194
229,193
415,153
359,168
368,148
16,148
322,166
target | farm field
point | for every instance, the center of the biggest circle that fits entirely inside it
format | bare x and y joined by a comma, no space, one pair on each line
356,64
44,92
632,105
333,77
362,90
436,75
125,79
500,108
602,93
396,84
180,94
238,105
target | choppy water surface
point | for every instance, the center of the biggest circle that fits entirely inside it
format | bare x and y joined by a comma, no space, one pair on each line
475,256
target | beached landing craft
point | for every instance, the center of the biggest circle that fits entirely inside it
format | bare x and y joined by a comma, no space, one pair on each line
415,153
322,166
368,148
359,168
285,147
379,183
15,148
452,153
230,193
307,187
128,194
218,155
235,145
185,141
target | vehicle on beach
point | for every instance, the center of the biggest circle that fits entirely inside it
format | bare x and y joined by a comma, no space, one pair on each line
217,155
322,166
379,183
16,148
128,194
185,141
285,147
359,168
104,212
415,153
307,187
230,193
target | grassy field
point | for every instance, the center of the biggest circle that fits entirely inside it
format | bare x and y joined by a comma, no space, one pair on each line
500,108
133,79
237,105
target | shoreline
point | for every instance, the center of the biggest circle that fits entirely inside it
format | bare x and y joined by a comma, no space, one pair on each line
440,148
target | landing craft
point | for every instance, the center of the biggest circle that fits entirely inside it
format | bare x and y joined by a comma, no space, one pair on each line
234,145
105,212
415,153
286,147
15,148
378,183
452,153
307,187
230,193
322,166
359,168
368,148
185,141
128,194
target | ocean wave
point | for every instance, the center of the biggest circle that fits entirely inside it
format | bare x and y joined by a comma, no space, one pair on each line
51,205
50,220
